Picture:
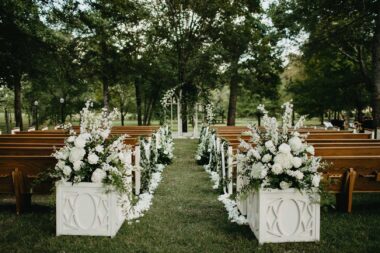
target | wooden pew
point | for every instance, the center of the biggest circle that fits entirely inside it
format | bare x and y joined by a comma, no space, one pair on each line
338,136
316,141
348,151
350,174
25,170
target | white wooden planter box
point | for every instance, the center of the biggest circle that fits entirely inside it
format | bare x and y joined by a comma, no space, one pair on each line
85,209
284,216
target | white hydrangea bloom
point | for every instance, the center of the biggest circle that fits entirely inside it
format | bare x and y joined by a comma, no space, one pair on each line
295,144
257,170
284,148
277,169
76,154
266,158
98,175
285,160
80,142
77,165
297,162
66,170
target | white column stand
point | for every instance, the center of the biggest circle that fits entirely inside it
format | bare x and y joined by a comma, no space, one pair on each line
137,170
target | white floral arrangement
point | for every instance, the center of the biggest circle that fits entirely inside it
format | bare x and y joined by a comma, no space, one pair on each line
280,158
91,156
164,145
210,114
166,99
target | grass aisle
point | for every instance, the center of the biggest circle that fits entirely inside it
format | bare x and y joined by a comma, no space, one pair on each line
187,217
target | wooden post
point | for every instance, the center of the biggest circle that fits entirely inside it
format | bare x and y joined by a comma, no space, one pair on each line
137,171
230,167
179,114
171,113
196,121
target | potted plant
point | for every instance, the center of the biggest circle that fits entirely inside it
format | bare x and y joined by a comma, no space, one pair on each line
282,182
94,173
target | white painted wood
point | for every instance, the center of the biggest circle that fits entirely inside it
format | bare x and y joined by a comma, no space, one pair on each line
223,167
196,133
137,170
85,209
13,131
179,113
230,167
277,216
241,201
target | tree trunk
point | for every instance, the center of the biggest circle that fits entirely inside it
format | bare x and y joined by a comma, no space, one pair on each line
106,93
376,74
232,104
18,102
322,118
184,116
138,103
122,114
7,125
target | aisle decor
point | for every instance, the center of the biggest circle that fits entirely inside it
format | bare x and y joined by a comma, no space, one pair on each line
94,173
283,182
155,154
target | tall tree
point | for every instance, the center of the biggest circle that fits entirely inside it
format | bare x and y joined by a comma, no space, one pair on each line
247,51
24,39
351,28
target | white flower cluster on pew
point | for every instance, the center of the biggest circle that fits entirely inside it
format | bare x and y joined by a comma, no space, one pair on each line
156,154
217,159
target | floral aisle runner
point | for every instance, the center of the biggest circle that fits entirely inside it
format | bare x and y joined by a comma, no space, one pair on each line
234,214
145,199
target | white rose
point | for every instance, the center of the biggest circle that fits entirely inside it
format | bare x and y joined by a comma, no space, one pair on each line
297,162
285,160
66,170
263,173
76,154
284,185
295,144
316,179
80,142
98,175
269,144
256,170
93,158
77,165
298,174
284,148
266,158
71,139
62,154
277,169
61,165
310,150
99,148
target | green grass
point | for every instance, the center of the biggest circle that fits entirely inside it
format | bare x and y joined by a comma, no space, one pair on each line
187,217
